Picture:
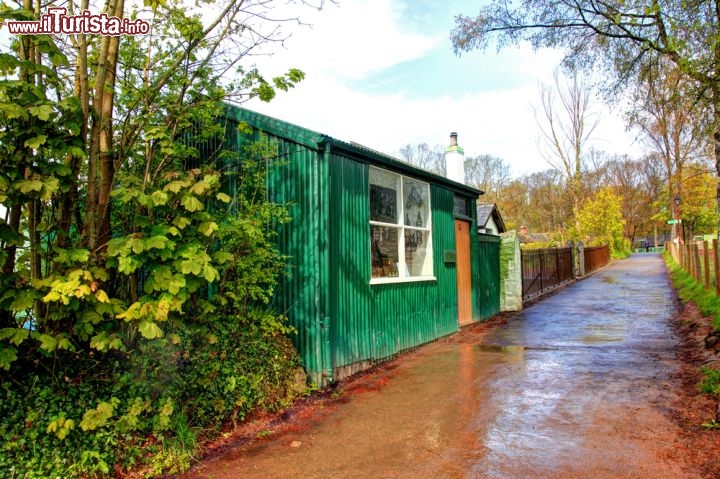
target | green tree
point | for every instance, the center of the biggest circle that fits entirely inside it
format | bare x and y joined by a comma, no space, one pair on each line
99,121
115,178
698,208
641,194
672,125
602,222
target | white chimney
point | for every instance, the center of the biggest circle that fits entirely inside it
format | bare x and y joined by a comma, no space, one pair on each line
455,160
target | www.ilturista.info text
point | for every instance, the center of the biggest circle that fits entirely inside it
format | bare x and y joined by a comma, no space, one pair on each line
56,20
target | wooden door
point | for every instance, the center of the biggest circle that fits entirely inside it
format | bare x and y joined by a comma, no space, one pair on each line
462,266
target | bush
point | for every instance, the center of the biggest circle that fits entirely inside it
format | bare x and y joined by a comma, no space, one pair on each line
120,348
149,414
219,371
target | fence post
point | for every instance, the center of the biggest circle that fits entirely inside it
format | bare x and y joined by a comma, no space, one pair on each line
557,264
581,259
696,261
691,260
681,255
716,266
681,258
706,255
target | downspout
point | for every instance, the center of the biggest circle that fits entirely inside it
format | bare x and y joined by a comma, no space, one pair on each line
324,260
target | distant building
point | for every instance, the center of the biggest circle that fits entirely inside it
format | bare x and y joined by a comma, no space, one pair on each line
489,220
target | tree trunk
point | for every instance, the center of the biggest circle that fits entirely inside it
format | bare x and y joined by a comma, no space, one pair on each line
107,160
82,91
101,171
9,267
716,148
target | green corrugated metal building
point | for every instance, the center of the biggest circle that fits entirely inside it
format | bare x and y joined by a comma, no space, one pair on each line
373,247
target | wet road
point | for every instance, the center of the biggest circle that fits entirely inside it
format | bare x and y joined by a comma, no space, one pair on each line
576,386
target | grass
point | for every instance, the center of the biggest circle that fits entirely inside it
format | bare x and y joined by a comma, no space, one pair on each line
709,304
690,290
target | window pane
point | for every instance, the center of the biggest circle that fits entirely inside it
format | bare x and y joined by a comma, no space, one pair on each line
416,199
418,255
462,206
383,196
384,251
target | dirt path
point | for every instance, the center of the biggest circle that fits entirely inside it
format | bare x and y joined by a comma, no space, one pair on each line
596,381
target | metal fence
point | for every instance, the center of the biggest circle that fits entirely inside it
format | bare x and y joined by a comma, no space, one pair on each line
545,269
596,257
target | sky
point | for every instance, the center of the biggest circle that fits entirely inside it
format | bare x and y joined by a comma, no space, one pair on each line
383,73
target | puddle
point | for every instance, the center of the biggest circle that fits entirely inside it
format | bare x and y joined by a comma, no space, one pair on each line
499,348
600,338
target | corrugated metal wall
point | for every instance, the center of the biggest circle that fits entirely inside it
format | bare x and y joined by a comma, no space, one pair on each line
372,322
488,285
298,180
297,177
343,323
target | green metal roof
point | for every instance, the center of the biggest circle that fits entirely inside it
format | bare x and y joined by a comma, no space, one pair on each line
356,151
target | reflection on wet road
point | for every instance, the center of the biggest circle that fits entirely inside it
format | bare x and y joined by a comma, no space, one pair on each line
573,387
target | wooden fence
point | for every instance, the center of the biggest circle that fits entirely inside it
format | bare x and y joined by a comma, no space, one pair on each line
699,259
546,269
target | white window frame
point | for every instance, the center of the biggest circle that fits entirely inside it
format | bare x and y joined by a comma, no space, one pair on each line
401,227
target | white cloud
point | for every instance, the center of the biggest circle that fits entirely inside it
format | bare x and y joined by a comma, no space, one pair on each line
499,122
351,40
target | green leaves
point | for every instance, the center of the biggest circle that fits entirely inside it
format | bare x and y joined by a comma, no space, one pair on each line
176,284
172,251
69,257
42,112
191,203
105,342
14,335
47,342
159,242
265,90
150,330
8,355
29,186
36,141
113,301
98,417
13,111
24,300
41,187
207,228
60,426
159,198
601,217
